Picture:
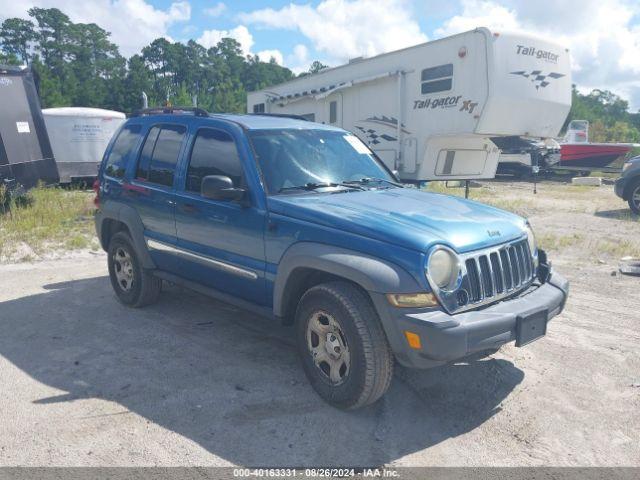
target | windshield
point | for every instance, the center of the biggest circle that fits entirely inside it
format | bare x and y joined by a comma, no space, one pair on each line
295,158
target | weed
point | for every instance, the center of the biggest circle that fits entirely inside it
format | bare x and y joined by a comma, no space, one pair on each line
48,218
551,241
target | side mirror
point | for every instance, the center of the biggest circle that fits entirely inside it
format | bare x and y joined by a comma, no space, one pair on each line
220,187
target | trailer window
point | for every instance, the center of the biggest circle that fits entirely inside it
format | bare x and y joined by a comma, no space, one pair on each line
437,79
258,108
122,147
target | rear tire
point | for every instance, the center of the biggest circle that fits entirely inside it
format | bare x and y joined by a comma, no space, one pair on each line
634,197
343,348
134,286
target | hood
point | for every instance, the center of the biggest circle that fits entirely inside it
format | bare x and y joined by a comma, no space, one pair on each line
405,217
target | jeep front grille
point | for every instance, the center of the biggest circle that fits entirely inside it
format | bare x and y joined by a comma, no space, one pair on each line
495,273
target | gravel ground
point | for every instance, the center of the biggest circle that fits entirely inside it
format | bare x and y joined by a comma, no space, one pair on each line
191,381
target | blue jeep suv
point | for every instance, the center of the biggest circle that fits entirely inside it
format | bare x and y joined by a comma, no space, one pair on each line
301,222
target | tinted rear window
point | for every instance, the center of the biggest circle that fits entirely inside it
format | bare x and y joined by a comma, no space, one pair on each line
121,151
159,155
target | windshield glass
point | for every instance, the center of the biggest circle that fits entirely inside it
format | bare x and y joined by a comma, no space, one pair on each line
295,158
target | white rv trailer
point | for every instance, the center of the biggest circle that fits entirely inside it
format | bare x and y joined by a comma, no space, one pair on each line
79,137
430,111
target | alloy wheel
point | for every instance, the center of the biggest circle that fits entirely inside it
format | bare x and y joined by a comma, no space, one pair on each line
328,347
123,267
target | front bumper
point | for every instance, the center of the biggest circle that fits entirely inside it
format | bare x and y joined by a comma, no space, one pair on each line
446,338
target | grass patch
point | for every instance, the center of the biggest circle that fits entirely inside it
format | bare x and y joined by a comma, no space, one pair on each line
486,195
623,214
48,219
553,242
619,248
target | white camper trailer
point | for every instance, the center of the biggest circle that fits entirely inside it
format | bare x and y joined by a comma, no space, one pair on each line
430,111
79,137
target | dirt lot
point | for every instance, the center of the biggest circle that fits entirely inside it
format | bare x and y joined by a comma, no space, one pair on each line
190,381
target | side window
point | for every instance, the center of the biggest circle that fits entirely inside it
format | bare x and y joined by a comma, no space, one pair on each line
147,151
437,79
214,153
258,108
122,148
159,155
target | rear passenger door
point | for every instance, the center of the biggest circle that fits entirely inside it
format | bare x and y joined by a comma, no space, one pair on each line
152,191
222,241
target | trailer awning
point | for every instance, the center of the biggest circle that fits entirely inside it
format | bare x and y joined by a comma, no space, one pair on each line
323,92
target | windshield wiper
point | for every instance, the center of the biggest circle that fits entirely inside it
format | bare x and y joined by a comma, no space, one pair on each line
367,180
314,186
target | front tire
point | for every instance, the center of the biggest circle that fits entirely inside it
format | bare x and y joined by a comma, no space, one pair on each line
133,286
343,348
634,197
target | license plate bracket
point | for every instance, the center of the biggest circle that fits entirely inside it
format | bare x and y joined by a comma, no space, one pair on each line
530,327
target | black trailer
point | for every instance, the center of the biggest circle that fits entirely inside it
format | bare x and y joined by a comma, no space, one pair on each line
25,151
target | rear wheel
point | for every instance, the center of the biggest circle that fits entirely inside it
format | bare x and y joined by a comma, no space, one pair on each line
342,345
133,286
634,197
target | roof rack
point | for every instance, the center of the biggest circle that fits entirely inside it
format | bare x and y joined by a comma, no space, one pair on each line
198,112
281,115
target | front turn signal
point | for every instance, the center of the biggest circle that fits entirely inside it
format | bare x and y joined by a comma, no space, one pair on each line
412,300
413,339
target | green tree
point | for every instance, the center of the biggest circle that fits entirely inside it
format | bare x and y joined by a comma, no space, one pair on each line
316,66
608,115
8,58
17,36
138,79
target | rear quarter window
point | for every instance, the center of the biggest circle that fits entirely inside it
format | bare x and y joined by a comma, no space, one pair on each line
121,152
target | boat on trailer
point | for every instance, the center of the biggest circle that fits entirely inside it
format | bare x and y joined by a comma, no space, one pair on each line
576,151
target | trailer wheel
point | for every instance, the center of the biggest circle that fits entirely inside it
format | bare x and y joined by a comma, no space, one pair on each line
133,286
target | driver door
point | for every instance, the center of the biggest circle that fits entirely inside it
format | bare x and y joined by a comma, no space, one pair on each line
221,241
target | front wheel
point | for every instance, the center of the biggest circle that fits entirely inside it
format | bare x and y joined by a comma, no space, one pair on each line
634,198
134,286
343,348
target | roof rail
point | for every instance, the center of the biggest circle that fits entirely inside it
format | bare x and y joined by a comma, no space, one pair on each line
281,115
198,112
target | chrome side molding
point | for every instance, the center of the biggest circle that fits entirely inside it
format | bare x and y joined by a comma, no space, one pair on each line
203,259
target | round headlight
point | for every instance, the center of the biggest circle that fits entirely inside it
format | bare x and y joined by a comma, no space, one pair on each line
443,269
531,238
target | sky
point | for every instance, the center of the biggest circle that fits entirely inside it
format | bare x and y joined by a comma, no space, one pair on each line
603,35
